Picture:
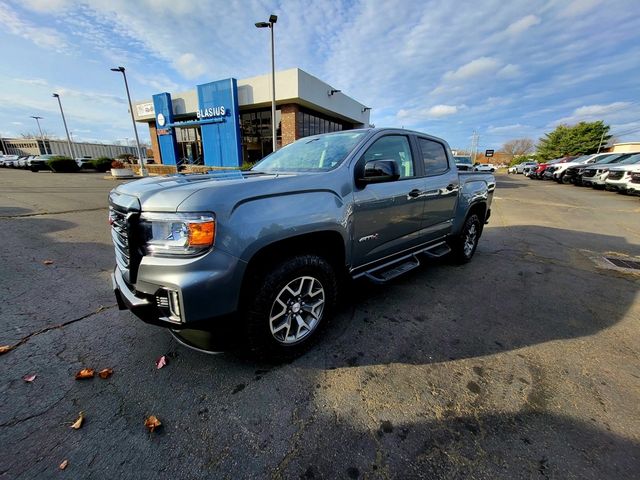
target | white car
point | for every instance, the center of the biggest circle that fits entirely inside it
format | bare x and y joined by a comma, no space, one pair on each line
521,166
561,168
619,176
596,175
7,160
633,185
484,167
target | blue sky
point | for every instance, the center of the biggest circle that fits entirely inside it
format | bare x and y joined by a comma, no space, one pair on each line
505,69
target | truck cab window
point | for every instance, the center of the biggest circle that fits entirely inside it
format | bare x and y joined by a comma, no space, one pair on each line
433,156
392,147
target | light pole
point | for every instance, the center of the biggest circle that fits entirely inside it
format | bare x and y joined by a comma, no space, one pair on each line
37,119
143,171
272,20
55,95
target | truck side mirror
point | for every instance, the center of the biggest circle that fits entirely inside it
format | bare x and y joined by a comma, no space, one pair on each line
378,171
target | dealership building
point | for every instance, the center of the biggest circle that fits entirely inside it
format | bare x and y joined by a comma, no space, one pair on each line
227,122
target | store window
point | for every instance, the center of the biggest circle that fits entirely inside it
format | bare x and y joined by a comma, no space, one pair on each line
314,124
257,136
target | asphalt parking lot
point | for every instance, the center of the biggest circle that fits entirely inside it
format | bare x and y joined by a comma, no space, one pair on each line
524,363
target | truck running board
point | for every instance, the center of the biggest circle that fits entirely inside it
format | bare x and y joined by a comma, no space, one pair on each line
388,271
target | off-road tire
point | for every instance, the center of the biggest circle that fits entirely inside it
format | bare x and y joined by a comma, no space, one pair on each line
264,288
460,251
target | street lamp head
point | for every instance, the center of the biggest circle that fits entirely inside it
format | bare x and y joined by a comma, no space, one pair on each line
55,95
118,69
36,117
262,25
273,18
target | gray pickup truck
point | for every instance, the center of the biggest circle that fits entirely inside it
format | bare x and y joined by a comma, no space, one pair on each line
270,248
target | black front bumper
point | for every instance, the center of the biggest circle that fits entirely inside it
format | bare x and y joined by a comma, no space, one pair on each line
144,308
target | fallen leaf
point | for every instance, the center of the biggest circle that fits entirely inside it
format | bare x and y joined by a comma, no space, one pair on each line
78,423
29,378
85,373
161,362
105,372
48,262
5,348
64,464
152,423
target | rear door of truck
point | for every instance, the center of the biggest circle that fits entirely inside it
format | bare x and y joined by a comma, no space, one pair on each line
442,185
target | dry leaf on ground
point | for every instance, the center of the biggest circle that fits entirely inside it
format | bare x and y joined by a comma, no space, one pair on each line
85,373
161,362
48,262
105,372
78,423
29,378
64,464
152,423
5,348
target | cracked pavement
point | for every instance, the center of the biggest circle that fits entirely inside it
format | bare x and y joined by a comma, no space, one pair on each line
524,363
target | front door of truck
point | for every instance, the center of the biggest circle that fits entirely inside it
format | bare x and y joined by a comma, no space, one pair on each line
387,217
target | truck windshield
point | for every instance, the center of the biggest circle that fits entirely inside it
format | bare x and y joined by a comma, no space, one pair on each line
318,153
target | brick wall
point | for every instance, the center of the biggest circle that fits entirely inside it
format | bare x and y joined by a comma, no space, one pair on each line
154,142
289,123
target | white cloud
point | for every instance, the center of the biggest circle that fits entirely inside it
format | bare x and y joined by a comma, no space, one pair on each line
509,71
32,81
508,129
46,6
611,112
42,36
578,7
190,66
522,25
17,123
478,67
437,111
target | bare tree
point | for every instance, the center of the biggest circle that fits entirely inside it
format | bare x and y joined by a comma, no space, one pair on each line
519,147
36,135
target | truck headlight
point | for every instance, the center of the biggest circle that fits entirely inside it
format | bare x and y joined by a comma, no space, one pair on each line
176,234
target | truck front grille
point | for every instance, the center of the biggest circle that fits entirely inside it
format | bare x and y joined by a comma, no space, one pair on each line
127,257
615,175
635,177
589,173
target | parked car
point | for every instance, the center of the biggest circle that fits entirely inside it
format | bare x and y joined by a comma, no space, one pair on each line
564,173
633,185
84,162
274,242
40,162
553,165
620,174
596,175
573,174
463,163
521,166
484,167
7,160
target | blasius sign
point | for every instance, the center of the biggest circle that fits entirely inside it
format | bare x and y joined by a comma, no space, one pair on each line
211,112
221,133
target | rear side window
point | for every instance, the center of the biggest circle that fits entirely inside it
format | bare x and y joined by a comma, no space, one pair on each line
433,156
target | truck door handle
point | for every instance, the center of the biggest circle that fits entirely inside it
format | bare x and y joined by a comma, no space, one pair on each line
414,193
451,186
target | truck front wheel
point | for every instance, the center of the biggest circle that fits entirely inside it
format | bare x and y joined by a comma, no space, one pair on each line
288,304
464,246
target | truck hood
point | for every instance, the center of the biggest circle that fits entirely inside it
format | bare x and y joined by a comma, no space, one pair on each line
168,193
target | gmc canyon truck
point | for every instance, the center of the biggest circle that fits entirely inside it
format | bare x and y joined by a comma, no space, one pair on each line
271,247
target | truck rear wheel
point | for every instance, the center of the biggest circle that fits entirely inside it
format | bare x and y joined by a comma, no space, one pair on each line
464,246
288,304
